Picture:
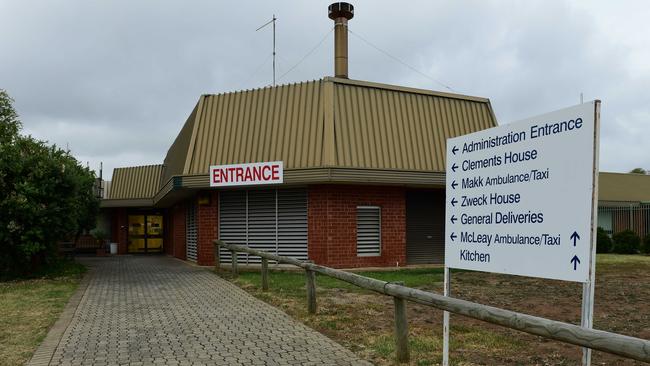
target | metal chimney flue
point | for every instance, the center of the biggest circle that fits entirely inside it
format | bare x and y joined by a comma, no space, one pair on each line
340,13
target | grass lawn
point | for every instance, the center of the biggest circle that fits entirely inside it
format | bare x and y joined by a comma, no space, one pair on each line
28,308
362,320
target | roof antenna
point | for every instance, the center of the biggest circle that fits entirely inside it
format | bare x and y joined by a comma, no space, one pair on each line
265,24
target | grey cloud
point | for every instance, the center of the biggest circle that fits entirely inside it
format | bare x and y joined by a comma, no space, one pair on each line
116,79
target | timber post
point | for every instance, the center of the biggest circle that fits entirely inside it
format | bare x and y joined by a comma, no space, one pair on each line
233,256
617,344
265,274
401,329
217,248
310,277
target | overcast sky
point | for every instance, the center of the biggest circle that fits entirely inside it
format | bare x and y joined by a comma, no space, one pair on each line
115,80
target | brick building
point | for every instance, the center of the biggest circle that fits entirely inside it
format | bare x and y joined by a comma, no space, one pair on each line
363,175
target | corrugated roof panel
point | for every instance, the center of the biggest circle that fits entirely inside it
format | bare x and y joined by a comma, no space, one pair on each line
280,123
333,123
136,182
382,128
177,154
624,187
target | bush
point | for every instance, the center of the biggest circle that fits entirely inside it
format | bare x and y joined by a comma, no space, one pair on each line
45,196
645,247
603,241
626,242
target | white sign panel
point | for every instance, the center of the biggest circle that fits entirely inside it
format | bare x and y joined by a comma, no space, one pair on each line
519,196
246,174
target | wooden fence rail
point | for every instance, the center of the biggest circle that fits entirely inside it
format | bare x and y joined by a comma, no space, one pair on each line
626,346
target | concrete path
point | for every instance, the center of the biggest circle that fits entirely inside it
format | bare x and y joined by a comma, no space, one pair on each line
141,310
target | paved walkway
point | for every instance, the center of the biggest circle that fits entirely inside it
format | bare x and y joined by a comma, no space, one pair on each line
141,310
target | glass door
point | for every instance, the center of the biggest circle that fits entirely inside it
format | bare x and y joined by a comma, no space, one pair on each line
145,234
137,237
154,242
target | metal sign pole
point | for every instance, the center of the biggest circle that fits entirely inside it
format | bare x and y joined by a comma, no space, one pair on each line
445,319
589,287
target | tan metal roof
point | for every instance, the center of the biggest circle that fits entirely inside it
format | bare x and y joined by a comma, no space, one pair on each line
138,182
328,123
624,187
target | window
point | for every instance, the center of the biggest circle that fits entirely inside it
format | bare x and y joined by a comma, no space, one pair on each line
368,231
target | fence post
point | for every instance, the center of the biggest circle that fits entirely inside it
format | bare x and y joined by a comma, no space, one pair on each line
310,277
265,274
217,249
233,255
401,329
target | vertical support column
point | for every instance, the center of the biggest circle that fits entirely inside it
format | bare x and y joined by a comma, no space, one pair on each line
589,287
265,274
401,329
217,249
233,255
445,319
310,277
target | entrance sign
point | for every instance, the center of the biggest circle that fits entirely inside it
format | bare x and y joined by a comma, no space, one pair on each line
520,196
246,174
522,199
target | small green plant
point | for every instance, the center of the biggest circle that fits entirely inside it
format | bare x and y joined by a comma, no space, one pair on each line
99,235
626,242
603,241
645,247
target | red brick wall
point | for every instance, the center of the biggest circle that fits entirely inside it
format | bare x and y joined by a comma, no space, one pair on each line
177,231
119,229
207,220
333,231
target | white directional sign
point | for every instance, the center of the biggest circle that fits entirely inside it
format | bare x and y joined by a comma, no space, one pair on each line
520,196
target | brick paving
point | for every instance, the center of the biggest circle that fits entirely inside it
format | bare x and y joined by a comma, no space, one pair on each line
154,310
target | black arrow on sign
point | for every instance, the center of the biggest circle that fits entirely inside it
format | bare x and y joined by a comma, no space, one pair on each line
453,219
454,167
454,201
454,150
575,237
575,262
454,184
453,236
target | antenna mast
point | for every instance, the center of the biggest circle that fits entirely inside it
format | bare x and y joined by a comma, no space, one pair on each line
265,24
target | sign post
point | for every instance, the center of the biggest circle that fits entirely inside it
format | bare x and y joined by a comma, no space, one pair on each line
522,200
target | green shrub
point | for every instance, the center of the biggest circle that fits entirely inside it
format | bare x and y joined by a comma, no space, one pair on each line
645,247
603,241
46,195
626,242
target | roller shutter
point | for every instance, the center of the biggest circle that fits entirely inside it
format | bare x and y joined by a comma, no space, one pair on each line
191,233
232,220
425,227
271,220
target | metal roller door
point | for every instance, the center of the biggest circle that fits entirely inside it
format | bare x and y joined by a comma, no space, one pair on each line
232,220
269,220
425,227
262,222
292,223
191,234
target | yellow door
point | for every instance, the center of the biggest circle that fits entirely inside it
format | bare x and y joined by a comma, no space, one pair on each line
145,233
154,233
137,237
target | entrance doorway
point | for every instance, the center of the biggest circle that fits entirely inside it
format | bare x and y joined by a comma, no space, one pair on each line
145,234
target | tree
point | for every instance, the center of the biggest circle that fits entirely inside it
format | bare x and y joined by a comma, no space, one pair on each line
638,171
45,196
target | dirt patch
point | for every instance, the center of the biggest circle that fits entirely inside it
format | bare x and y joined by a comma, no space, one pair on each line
363,322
